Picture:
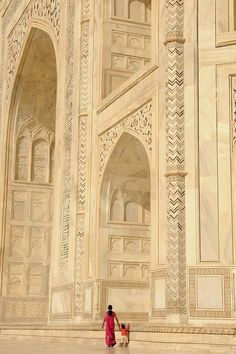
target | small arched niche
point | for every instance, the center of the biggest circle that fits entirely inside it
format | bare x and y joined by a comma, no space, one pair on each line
139,10
125,195
124,213
30,170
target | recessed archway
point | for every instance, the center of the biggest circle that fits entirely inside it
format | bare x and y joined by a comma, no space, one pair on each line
30,150
124,226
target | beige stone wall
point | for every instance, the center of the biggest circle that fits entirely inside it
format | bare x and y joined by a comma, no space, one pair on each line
141,104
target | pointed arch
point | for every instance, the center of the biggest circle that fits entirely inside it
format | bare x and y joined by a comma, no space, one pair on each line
123,230
111,148
13,96
31,115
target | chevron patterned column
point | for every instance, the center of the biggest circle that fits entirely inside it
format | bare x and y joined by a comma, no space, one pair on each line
81,240
66,207
176,251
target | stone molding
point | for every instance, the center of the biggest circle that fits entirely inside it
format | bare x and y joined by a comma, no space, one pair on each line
209,330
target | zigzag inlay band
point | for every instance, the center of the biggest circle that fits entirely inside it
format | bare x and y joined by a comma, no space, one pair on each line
176,253
64,246
81,239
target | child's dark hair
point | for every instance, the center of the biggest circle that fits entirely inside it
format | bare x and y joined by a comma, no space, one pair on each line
122,325
109,310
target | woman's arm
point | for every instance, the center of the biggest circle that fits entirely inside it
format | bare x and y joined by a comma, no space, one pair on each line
103,323
118,323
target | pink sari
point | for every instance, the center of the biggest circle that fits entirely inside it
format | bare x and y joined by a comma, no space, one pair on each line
110,329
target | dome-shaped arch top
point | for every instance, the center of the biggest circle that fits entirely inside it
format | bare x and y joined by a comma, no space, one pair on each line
47,14
139,123
126,182
37,84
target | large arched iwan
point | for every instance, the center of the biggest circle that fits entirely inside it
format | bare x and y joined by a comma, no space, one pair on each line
29,182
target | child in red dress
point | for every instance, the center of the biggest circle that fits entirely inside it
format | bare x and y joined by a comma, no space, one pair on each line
124,334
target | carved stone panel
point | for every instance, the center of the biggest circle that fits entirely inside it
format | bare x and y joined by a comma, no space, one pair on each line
127,38
203,282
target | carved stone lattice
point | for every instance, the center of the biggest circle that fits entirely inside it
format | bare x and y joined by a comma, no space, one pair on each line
33,143
233,92
64,249
22,310
140,122
33,124
176,253
39,9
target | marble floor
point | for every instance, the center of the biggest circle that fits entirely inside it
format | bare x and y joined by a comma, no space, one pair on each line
28,346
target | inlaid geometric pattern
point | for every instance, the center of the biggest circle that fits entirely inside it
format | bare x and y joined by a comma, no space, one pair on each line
85,7
79,262
233,109
81,238
84,66
64,249
81,197
176,259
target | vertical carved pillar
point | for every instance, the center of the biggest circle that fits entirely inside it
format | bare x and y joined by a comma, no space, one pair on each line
64,245
175,175
81,240
233,109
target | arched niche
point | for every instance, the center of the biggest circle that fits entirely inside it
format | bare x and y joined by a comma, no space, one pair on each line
116,205
136,10
124,213
29,189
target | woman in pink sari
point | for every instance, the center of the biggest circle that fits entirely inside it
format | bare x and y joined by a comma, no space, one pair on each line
110,318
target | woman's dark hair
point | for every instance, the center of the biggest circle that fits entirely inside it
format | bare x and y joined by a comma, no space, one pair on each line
110,312
122,325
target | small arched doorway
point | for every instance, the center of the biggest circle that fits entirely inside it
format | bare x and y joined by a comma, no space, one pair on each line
30,171
124,229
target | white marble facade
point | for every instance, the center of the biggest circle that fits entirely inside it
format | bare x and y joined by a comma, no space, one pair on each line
118,161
